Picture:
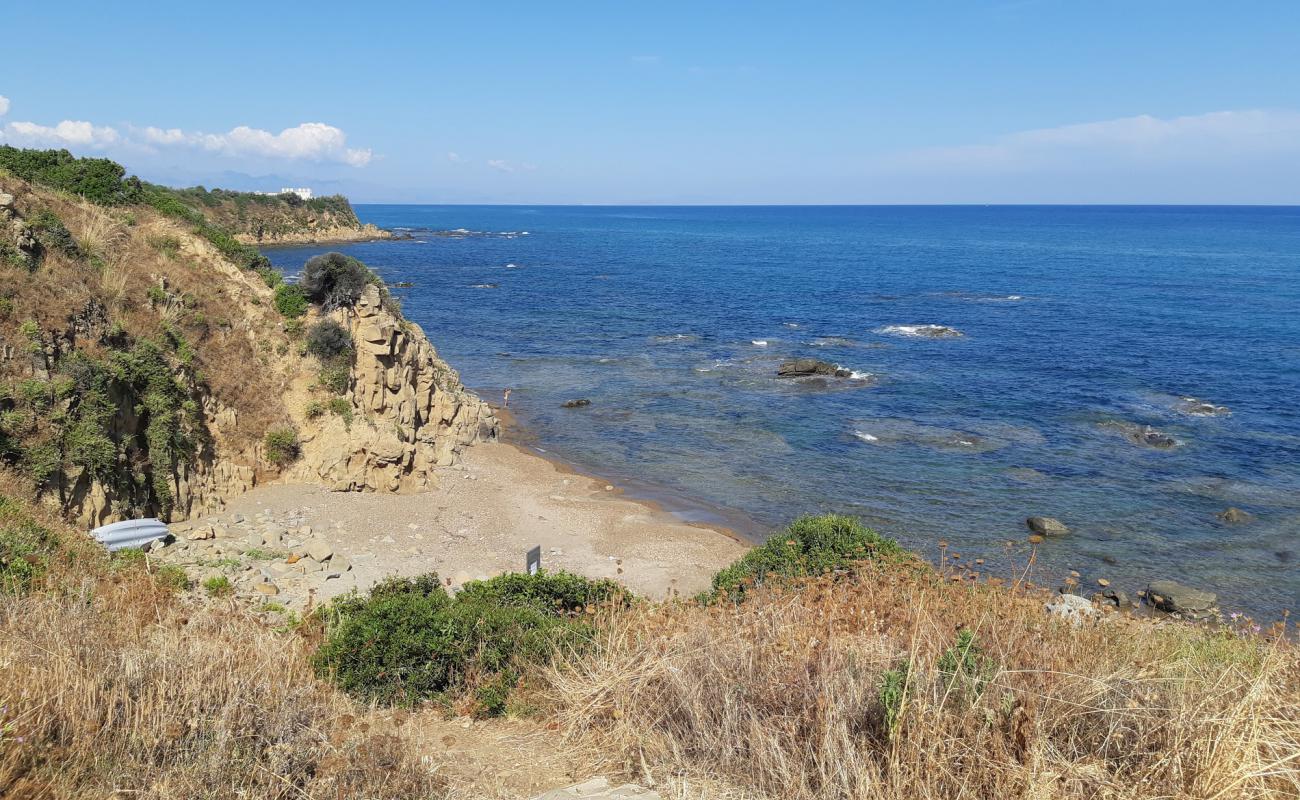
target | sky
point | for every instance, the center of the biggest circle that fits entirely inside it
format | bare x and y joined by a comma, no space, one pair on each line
627,101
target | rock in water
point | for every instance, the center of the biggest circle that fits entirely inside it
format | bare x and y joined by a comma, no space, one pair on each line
579,403
1199,408
1175,598
807,367
1234,516
1047,526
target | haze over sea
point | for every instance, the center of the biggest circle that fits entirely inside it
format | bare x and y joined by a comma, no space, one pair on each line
1081,325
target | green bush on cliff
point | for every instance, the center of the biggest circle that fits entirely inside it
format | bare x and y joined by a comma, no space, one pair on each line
282,445
25,546
99,180
811,545
409,641
334,280
328,340
290,300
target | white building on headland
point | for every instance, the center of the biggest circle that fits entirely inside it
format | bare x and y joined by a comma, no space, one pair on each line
301,191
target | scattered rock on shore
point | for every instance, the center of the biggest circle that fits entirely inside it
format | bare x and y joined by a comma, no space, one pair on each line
1047,526
579,403
1072,608
1235,516
808,367
1175,598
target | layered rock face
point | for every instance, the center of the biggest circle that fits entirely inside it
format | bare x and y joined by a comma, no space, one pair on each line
411,413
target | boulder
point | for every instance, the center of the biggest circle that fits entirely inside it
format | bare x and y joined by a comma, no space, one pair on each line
1234,516
1072,609
319,550
1114,597
807,367
269,589
1175,598
1199,408
579,403
1047,526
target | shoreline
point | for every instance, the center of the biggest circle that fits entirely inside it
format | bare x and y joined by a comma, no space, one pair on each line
730,522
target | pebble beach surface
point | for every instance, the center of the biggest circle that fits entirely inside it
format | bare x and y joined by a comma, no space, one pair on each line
297,546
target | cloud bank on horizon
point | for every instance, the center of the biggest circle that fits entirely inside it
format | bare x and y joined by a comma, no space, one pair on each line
1020,164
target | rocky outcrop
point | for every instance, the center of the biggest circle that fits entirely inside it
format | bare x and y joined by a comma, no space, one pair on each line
411,413
314,231
809,367
1175,598
1047,526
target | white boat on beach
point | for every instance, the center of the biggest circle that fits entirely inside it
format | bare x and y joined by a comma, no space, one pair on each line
129,533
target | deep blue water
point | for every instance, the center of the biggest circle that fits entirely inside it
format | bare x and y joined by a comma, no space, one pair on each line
1076,321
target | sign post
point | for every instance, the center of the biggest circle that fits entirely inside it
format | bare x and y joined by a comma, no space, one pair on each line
533,561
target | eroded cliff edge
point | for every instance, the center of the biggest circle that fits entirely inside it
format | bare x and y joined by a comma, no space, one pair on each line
146,366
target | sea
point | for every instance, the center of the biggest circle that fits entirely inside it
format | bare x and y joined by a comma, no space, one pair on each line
1130,371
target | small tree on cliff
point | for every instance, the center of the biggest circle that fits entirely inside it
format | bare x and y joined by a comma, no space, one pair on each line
334,280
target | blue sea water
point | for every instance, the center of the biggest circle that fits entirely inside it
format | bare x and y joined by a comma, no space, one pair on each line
1080,325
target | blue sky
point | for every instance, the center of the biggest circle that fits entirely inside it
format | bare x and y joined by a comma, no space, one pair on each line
675,102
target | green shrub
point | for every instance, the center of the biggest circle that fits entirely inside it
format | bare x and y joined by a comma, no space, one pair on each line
25,546
290,300
218,586
342,407
811,545
334,280
53,234
327,340
270,276
893,695
335,376
314,410
97,179
282,445
965,669
409,641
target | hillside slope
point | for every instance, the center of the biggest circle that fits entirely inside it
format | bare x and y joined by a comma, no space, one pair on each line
146,367
281,218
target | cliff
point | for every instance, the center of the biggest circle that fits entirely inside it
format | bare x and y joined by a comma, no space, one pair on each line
147,366
281,218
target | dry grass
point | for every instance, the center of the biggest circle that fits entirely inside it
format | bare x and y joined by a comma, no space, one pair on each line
782,698
110,687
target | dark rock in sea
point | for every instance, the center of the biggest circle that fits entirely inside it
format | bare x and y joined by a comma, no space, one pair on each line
579,403
1200,408
1175,598
1114,597
402,285
1047,526
401,236
807,367
1143,435
1234,516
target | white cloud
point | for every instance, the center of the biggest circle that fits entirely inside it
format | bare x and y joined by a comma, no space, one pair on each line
68,133
310,141
1205,138
4,105
456,158
509,166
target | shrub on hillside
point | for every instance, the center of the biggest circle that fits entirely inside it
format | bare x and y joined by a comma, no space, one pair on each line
290,300
327,340
25,546
53,234
96,179
335,280
409,641
811,545
282,445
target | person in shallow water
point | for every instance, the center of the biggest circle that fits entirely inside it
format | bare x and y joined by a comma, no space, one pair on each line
505,399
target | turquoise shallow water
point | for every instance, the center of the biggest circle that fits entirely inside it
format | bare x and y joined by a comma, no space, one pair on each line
1080,326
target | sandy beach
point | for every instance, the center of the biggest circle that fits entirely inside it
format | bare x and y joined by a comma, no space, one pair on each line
481,520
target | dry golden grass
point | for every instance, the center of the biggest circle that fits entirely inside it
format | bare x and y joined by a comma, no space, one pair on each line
781,698
109,687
